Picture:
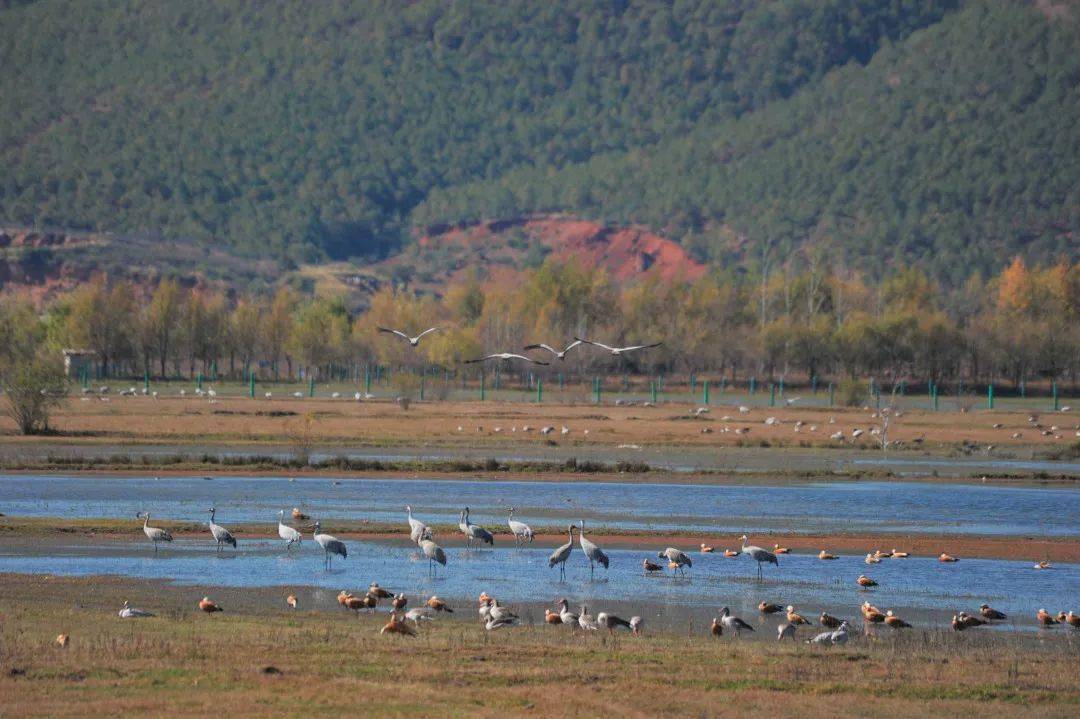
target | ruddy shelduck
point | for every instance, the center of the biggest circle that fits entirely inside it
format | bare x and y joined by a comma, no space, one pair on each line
825,555
209,606
865,581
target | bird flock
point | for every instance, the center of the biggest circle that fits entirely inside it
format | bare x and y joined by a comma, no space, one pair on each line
495,616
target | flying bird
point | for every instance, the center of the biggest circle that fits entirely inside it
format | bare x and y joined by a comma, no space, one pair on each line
558,355
413,341
505,356
618,351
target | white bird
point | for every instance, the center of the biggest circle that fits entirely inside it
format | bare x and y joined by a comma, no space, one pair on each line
521,531
331,545
434,553
290,535
558,355
785,631
413,341
417,529
612,622
821,638
561,554
156,534
568,618
474,532
759,555
636,623
592,552
418,614
130,612
856,433
618,351
792,401
733,623
493,624
676,557
221,535
497,611
505,356
586,620
840,636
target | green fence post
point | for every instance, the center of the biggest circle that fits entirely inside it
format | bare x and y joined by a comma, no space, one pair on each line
423,381
781,386
498,377
311,386
832,395
990,396
705,392
146,382
367,380
561,386
251,385
693,383
596,389
652,387
1053,388
813,384
935,397
213,370
1023,389
539,390
753,384
772,394
483,386
198,381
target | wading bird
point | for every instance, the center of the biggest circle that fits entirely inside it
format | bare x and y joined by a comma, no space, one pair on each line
1045,618
505,356
558,355
865,581
593,553
828,620
612,622
562,553
221,535
989,612
568,617
379,592
130,612
786,631
413,341
434,554
733,623
650,567
438,605
618,351
677,558
826,556
759,555
417,529
871,614
706,549
947,558
156,534
522,532
290,535
777,549
895,622
769,608
795,618
474,532
331,545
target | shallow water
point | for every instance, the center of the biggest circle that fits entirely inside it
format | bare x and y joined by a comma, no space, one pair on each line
920,589
914,507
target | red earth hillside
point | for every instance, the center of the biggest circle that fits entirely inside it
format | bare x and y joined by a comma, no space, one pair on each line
625,252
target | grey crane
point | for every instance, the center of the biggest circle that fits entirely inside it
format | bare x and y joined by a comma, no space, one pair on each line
413,341
474,532
561,554
733,623
290,535
612,622
493,624
677,557
417,529
521,531
331,545
759,555
434,553
592,552
130,612
558,355
786,631
618,351
221,535
156,534
505,356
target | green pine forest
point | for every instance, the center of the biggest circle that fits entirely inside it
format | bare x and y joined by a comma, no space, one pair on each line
941,133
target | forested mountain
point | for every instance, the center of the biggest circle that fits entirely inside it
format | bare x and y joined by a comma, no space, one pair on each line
933,130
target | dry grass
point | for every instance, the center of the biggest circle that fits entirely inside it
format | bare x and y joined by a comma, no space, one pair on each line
184,663
233,419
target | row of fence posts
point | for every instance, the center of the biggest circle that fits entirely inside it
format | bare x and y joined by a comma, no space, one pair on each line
655,386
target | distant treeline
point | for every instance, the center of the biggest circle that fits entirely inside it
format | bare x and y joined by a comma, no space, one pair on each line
798,322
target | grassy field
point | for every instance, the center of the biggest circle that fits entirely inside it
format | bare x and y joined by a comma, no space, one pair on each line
326,422
257,659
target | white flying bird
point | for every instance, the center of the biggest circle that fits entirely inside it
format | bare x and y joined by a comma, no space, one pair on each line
414,341
558,355
505,356
618,351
